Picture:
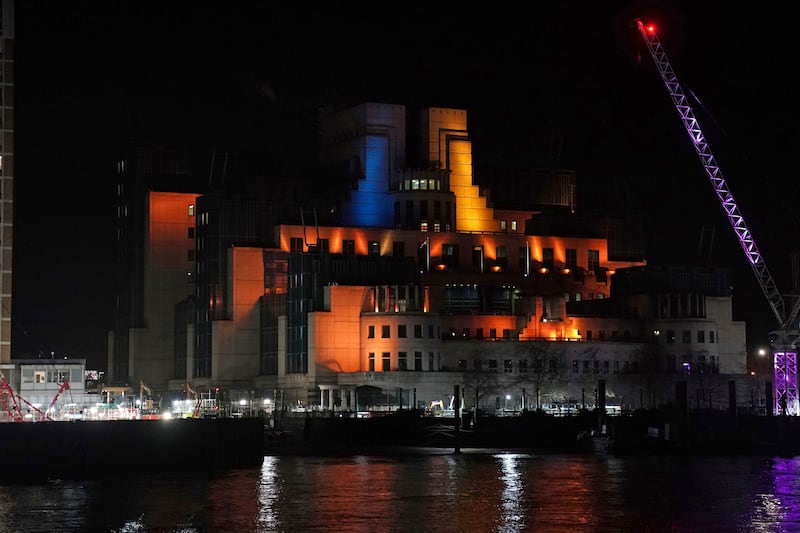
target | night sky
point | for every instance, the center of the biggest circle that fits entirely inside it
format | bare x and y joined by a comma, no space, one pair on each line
561,74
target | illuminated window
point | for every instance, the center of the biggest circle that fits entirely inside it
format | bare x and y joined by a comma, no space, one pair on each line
191,210
423,226
502,225
513,225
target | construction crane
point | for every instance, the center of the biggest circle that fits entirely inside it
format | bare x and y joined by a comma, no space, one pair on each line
784,340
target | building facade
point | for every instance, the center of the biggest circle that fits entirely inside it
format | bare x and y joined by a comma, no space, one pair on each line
398,278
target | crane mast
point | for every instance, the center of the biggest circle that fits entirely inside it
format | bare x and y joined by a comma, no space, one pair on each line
785,337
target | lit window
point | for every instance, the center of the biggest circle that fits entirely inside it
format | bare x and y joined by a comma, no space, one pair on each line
191,210
513,225
502,225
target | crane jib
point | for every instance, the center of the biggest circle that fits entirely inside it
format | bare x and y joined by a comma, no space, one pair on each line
786,338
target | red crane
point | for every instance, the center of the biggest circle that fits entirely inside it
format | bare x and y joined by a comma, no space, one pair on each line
785,338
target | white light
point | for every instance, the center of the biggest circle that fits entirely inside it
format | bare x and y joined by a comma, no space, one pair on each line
508,396
267,401
242,402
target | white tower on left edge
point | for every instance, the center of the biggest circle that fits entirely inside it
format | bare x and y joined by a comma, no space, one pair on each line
6,173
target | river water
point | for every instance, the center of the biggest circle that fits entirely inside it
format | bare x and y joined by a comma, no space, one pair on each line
427,490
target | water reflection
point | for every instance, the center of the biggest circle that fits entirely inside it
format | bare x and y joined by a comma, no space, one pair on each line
477,490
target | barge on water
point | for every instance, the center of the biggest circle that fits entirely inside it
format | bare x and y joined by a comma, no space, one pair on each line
33,451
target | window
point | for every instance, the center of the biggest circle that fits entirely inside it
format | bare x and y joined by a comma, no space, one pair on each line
371,332
386,332
502,255
513,225
670,336
477,365
191,233
593,259
401,331
402,361
479,333
571,257
711,337
430,331
190,255
503,225
418,361
701,335
686,336
462,364
398,249
417,331
431,365
548,257
348,246
574,366
523,366
450,254
191,210
492,365
387,358
585,366
39,376
373,248
493,333
508,367
296,244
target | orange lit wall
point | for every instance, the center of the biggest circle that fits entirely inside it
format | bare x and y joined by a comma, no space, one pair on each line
236,341
168,261
334,336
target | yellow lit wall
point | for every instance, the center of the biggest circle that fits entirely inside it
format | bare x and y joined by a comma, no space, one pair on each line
447,142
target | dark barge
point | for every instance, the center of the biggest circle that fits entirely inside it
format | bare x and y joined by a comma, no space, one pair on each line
32,451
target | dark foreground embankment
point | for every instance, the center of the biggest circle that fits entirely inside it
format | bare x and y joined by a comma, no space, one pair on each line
30,451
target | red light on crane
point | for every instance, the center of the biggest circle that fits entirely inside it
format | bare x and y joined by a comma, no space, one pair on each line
651,28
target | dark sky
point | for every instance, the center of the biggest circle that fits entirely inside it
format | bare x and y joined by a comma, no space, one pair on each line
579,74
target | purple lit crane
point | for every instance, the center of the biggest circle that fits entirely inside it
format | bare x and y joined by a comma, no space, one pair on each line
785,338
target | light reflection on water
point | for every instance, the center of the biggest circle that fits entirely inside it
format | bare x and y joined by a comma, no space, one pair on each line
429,490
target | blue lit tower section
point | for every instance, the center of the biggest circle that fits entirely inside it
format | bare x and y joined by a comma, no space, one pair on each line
362,151
784,339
